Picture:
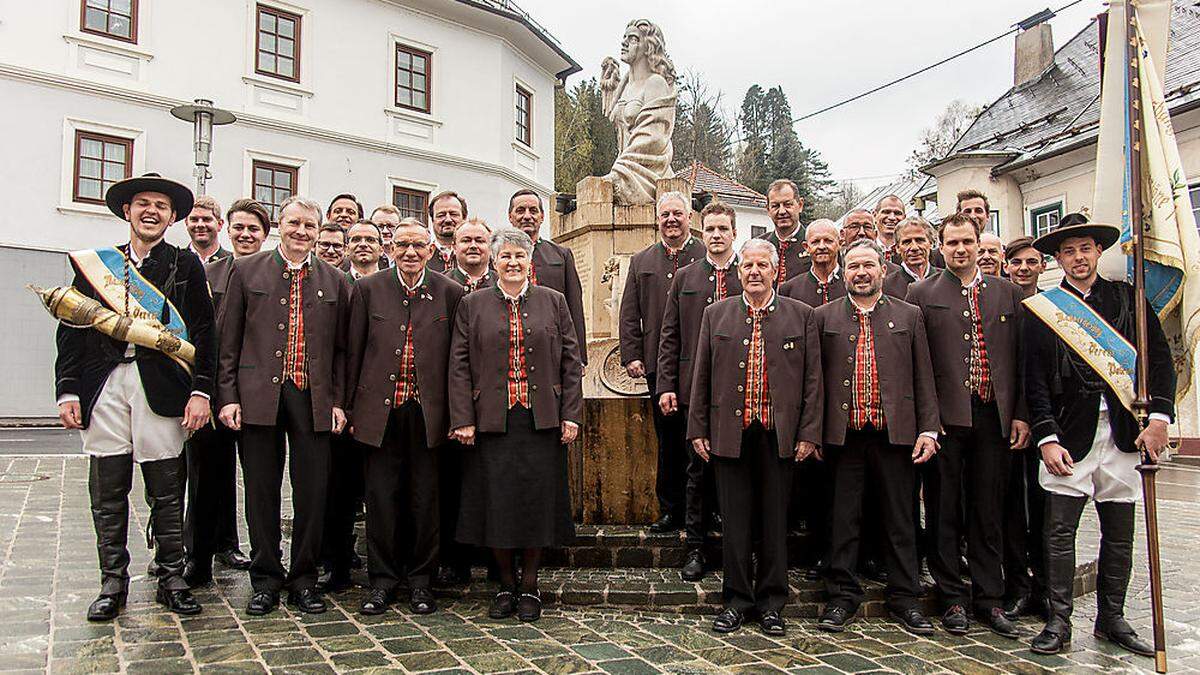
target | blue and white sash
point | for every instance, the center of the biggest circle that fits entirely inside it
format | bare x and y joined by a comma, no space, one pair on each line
1091,337
105,269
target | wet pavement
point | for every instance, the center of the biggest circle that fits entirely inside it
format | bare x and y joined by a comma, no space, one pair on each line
48,577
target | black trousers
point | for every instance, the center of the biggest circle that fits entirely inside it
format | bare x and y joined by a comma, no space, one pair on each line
451,553
344,494
971,467
402,503
700,495
812,499
869,464
210,524
1024,520
262,452
110,480
753,492
673,456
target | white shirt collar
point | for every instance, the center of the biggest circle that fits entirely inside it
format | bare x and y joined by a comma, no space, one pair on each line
686,242
978,278
860,308
520,294
913,273
410,289
837,270
204,259
732,262
770,299
295,266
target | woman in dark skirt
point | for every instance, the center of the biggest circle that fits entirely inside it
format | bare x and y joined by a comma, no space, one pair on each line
515,401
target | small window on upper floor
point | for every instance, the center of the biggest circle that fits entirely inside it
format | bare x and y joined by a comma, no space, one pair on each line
115,19
277,44
1045,218
413,90
524,116
410,203
272,184
100,161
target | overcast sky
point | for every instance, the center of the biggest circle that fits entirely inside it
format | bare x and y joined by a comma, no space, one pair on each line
823,52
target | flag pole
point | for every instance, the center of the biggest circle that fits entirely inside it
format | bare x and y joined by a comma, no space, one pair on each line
1148,468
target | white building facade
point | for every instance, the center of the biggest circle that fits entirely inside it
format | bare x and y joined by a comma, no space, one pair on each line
391,100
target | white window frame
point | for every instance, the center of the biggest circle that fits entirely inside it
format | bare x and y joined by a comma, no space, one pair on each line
66,196
1029,226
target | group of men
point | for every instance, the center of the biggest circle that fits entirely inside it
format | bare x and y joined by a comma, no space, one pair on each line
331,349
834,379
832,376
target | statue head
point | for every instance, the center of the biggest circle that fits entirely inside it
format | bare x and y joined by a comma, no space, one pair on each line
644,40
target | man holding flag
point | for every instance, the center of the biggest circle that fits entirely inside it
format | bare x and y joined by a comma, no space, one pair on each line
1081,413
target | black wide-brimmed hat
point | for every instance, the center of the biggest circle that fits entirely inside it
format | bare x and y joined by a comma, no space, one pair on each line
121,193
1077,225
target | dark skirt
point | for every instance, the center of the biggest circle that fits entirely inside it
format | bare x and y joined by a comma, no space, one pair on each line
514,488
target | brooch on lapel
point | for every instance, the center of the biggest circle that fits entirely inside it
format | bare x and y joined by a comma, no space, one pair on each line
789,344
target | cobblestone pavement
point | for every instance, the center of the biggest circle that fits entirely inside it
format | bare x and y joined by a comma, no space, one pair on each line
48,576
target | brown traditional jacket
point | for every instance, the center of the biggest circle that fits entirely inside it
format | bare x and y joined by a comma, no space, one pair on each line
692,290
253,325
554,267
793,353
795,260
381,313
437,263
218,272
806,288
905,371
488,279
479,369
943,303
651,272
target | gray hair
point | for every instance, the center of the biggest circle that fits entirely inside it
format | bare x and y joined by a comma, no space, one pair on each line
668,196
304,203
509,236
760,243
821,222
865,243
917,221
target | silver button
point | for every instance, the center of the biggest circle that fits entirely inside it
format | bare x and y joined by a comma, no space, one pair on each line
964,291
849,359
853,338
966,336
283,301
401,328
406,303
845,383
399,352
967,384
708,300
748,320
278,353
532,368
737,413
845,406
533,387
741,388
286,275
281,326
1003,318
891,324
387,401
275,380
669,275
392,378
967,312
742,364
712,278
746,341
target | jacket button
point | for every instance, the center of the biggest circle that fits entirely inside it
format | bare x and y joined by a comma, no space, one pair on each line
281,326
891,324
529,349
286,275
708,300
849,359
746,341
737,413
533,387
712,278
845,383
532,368
966,336
1003,318
275,380
402,328
748,320
964,291
387,401
399,352
966,312
392,378
741,388
278,353
967,384
742,364
853,338
283,301
845,406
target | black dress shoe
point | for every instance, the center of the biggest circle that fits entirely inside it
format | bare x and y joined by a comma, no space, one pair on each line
914,621
262,603
179,602
106,607
1027,605
307,600
1054,638
814,573
667,523
1120,633
376,602
693,569
999,624
504,605
728,621
529,606
834,619
234,559
422,601
195,575
772,624
955,621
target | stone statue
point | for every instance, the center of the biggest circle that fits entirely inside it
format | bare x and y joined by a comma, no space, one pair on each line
641,104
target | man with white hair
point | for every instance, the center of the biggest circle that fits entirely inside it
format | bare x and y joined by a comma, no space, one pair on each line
756,408
651,272
991,254
279,372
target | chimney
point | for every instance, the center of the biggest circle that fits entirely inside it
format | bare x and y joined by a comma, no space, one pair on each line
1034,54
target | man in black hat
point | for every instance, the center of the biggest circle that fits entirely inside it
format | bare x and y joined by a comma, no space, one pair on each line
135,404
1079,388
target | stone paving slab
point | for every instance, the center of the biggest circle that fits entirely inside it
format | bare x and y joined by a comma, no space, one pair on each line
48,576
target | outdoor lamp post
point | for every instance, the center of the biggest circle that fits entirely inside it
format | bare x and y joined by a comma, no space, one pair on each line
203,117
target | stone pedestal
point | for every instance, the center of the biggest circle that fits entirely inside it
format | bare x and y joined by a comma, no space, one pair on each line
613,465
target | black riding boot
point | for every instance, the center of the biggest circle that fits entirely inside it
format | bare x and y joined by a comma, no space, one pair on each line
164,494
1062,522
109,482
1112,577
